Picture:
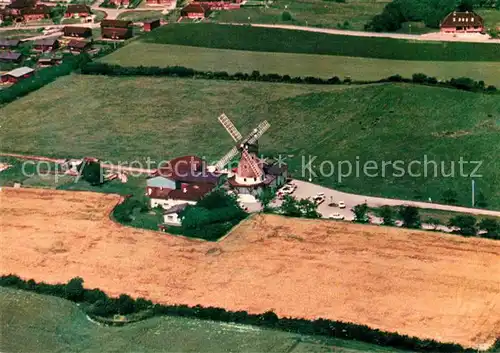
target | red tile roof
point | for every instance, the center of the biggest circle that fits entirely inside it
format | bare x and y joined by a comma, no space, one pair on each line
193,192
191,169
196,8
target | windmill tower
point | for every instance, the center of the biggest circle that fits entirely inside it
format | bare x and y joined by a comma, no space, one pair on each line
249,172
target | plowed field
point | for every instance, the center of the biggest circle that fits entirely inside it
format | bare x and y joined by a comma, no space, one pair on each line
418,283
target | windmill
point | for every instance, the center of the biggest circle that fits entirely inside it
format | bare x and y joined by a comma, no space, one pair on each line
249,171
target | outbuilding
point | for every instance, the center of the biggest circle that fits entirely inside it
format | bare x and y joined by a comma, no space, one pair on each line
151,24
17,75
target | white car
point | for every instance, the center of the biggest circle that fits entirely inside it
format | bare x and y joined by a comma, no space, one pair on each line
337,216
341,204
319,199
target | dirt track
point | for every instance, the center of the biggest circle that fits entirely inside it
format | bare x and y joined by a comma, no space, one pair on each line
417,283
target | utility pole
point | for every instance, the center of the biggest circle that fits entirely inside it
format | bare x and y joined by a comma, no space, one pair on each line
473,192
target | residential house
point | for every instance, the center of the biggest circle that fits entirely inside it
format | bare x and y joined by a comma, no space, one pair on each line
17,75
183,179
158,2
11,57
462,22
120,2
16,6
79,45
37,13
48,44
9,43
77,11
116,29
195,11
151,24
219,4
75,31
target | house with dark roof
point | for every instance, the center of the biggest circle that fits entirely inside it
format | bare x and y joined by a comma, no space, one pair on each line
79,46
16,6
76,31
9,43
159,2
46,44
120,2
10,57
77,11
462,22
116,29
195,11
37,13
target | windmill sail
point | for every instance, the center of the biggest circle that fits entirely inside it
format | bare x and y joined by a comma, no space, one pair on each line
230,128
258,132
225,160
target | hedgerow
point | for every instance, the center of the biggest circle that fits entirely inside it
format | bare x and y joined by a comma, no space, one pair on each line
99,68
97,303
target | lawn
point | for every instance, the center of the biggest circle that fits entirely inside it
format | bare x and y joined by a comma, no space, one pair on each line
29,321
162,118
319,13
137,16
293,41
232,61
19,33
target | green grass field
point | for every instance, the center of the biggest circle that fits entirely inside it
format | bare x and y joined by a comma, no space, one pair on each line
36,323
232,61
293,41
318,13
136,16
126,119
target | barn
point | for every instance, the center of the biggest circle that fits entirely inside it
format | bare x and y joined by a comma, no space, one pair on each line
76,31
195,11
17,75
116,29
462,22
151,24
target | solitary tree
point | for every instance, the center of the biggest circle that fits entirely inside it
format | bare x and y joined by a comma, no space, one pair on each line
360,213
92,173
74,289
410,216
388,215
466,224
286,16
308,208
450,197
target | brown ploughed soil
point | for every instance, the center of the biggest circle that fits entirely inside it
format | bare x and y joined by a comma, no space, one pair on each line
418,283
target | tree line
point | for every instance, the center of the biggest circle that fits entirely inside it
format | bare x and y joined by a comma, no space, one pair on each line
99,68
466,225
97,303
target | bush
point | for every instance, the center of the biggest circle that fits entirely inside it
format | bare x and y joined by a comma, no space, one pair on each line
410,217
466,225
360,213
286,16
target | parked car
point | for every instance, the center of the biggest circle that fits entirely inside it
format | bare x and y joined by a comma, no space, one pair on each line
319,198
341,204
336,216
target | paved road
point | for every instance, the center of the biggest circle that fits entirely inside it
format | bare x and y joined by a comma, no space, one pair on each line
424,37
306,189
